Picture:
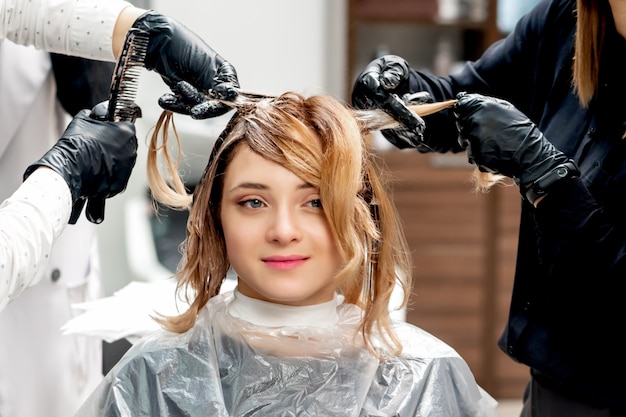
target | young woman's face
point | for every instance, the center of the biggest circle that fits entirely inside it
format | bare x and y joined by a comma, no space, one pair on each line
277,236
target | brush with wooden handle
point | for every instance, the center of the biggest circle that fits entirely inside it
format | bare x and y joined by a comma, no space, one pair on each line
372,120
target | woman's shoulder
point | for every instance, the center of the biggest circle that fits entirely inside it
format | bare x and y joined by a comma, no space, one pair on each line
417,342
163,346
156,349
436,374
161,362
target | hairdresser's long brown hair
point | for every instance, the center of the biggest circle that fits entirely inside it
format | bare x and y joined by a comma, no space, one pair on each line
320,141
592,18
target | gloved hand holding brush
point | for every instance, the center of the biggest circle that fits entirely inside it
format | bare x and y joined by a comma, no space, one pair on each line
386,84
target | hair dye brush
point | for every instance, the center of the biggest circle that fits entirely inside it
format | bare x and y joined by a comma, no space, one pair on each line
373,120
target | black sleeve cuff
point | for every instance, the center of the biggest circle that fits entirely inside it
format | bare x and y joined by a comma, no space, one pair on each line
542,185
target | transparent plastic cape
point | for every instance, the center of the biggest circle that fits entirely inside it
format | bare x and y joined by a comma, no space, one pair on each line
225,366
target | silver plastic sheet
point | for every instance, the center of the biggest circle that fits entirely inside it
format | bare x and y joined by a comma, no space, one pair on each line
225,366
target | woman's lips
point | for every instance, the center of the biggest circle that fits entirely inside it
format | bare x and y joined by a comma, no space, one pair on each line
284,263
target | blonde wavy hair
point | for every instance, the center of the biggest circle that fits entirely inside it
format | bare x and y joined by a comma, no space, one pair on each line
325,144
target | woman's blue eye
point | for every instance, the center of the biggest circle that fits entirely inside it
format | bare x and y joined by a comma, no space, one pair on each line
252,203
317,203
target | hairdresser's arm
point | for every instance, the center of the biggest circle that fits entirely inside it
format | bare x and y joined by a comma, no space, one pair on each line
30,221
82,28
96,29
93,159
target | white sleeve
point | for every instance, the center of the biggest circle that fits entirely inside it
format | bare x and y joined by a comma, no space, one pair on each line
30,222
81,28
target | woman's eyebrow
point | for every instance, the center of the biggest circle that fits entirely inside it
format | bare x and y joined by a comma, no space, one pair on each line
259,186
250,185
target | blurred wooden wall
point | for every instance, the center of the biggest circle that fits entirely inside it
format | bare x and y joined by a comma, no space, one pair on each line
464,245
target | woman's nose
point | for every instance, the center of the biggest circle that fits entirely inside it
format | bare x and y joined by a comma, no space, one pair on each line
284,227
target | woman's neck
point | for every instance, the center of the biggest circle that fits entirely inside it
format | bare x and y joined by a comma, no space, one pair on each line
269,314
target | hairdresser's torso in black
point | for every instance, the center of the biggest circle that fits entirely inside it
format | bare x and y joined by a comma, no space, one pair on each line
567,308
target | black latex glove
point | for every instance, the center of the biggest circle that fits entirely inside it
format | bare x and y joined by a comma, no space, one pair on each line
386,82
380,86
95,157
178,54
500,139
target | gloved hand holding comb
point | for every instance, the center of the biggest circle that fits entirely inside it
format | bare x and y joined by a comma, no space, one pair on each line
178,54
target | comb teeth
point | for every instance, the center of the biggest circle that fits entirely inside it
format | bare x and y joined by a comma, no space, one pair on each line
125,83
